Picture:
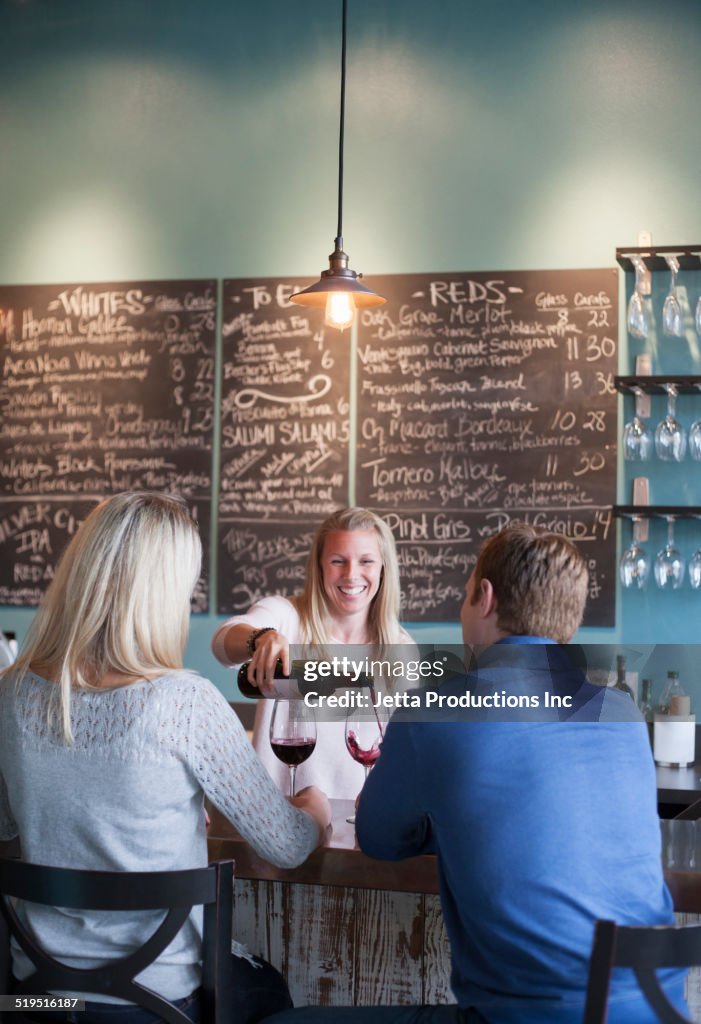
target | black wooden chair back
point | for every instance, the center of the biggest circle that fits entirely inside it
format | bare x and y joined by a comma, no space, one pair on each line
644,950
174,892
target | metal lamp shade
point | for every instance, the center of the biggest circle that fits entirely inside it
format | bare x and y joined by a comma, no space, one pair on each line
316,295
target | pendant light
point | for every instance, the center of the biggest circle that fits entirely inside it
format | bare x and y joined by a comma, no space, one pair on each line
339,290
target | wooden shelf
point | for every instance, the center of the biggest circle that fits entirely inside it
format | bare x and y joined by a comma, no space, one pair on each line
685,384
657,511
689,256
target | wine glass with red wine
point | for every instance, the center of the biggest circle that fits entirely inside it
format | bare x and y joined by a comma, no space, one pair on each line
363,738
292,734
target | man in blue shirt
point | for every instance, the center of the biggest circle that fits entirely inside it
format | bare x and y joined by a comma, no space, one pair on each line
536,790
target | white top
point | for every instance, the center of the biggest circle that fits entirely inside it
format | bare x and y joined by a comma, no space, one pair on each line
330,767
128,796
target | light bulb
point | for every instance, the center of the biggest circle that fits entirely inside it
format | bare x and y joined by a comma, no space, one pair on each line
340,310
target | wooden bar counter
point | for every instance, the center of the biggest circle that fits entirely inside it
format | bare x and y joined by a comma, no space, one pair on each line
349,930
344,929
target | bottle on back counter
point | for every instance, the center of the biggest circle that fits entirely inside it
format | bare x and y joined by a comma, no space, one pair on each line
646,708
674,726
621,683
645,705
670,703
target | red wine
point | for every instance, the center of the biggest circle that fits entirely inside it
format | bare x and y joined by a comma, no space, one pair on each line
293,752
364,757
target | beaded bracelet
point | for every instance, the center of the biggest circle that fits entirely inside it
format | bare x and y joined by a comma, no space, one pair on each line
255,636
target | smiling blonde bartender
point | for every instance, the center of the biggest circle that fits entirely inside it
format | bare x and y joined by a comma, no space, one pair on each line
350,596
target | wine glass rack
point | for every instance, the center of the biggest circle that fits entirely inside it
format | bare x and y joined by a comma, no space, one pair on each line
684,384
657,511
653,256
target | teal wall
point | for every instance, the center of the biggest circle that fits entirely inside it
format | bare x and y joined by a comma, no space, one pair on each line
165,139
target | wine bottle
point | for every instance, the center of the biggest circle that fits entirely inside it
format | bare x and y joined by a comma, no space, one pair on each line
621,683
247,688
645,704
647,709
298,685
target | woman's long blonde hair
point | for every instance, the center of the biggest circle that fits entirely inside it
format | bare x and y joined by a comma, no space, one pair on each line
120,599
312,605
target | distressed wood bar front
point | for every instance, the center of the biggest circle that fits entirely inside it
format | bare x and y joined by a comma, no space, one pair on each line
344,929
347,930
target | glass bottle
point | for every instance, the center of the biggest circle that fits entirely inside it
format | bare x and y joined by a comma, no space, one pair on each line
621,683
672,689
645,704
647,709
248,689
303,684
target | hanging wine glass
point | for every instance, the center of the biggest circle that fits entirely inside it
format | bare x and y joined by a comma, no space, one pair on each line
695,440
638,313
669,564
670,438
695,435
695,570
672,320
634,565
697,317
637,440
695,566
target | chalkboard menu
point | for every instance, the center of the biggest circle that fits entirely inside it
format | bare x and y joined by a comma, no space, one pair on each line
482,399
103,388
284,437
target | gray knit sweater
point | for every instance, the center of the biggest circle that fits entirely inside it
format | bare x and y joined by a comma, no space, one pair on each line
127,796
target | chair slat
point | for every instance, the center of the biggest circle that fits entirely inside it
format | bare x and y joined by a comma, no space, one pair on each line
173,892
644,950
106,890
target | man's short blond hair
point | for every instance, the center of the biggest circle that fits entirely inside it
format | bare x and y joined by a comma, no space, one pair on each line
540,581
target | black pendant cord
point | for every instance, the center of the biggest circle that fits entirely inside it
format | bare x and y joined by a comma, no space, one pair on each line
339,231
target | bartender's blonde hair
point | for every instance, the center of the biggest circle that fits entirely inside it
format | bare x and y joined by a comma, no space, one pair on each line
120,599
312,605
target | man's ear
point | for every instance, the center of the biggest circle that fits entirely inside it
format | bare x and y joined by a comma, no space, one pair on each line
487,599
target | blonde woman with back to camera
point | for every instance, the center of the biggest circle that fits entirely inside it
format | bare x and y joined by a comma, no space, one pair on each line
350,596
108,748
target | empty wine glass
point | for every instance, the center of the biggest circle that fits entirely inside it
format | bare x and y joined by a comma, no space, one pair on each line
638,313
695,570
697,317
695,440
672,321
634,567
669,564
637,441
670,438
